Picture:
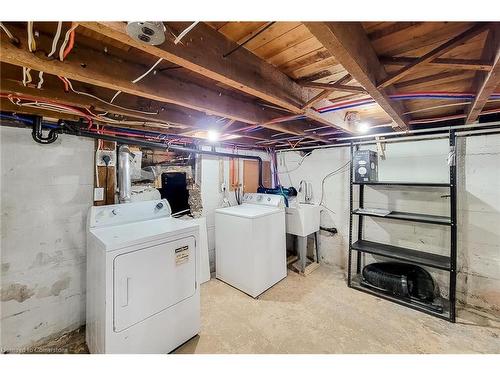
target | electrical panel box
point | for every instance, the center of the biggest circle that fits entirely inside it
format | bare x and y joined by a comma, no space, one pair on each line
365,164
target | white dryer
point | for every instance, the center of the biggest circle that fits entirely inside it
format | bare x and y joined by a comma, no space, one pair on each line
143,293
250,244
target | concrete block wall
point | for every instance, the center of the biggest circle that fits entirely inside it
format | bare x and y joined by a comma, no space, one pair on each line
423,161
46,191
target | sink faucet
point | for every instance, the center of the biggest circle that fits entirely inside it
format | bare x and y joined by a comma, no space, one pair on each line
306,193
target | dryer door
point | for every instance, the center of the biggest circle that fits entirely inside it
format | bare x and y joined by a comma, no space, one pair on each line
150,280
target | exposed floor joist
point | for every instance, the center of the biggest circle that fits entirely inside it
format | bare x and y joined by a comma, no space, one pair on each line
485,83
348,42
202,52
434,54
102,70
462,64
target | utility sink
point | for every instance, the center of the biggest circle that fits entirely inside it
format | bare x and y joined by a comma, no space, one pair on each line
302,219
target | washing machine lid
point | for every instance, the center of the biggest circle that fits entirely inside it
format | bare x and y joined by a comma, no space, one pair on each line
250,211
130,234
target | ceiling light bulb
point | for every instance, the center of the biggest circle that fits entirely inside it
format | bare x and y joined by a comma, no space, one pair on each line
363,127
213,135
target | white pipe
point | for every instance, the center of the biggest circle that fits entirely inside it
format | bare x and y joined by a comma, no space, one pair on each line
124,177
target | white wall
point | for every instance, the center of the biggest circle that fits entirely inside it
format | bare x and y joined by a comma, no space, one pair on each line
478,208
212,196
46,192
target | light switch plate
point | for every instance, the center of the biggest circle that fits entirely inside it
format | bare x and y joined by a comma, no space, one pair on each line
98,194
99,154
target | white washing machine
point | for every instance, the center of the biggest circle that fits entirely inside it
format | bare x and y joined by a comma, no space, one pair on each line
143,292
250,248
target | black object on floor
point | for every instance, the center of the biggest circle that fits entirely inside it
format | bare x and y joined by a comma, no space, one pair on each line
403,280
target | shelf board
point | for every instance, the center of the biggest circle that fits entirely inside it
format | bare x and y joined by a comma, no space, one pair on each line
398,183
403,254
408,216
445,314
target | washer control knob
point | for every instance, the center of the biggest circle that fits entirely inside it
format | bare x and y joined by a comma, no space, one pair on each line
159,206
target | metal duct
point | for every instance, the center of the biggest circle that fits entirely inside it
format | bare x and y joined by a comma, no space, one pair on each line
124,178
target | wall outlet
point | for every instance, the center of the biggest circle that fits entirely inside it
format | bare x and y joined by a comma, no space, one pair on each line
98,194
100,154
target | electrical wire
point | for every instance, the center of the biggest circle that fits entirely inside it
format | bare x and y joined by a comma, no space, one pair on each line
339,170
40,80
65,41
148,71
71,43
28,76
299,163
56,39
31,39
186,30
137,79
104,101
7,31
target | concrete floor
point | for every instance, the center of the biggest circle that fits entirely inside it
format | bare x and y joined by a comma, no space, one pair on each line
320,314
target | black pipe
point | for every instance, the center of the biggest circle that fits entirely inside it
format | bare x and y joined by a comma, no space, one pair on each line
37,135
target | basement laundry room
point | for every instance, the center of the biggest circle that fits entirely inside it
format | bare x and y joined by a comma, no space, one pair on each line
249,187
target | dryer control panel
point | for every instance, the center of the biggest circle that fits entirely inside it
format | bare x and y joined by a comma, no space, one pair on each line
114,214
264,199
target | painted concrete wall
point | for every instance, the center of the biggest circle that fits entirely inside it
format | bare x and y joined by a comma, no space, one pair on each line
478,208
46,191
211,179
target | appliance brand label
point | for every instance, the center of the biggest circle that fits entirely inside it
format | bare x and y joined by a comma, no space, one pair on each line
181,255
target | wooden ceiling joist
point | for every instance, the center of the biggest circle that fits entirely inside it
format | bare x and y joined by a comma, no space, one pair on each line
326,92
485,83
173,117
202,52
462,64
434,54
99,69
348,42
336,87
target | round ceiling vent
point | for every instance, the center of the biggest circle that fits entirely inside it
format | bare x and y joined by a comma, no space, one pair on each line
147,32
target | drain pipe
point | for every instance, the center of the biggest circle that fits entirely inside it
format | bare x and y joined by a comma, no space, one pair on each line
124,178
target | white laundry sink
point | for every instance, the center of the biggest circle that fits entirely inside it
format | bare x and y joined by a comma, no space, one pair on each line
302,219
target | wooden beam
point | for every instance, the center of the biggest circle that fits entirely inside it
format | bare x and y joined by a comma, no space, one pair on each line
202,52
391,29
435,53
461,64
105,71
227,125
349,44
429,78
168,116
485,83
324,94
336,87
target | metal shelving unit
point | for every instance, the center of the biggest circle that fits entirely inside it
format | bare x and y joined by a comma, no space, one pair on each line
440,262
